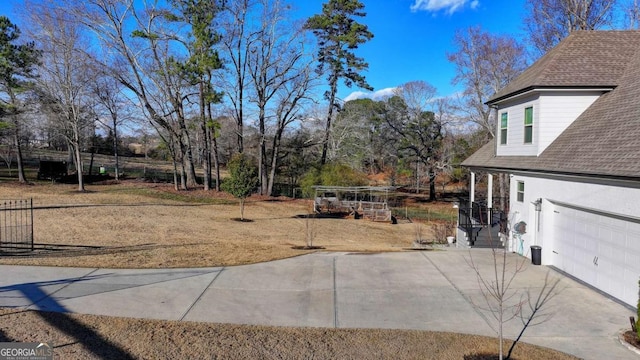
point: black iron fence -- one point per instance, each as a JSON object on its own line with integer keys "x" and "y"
{"x": 16, "y": 225}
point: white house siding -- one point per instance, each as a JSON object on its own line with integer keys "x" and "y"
{"x": 515, "y": 139}
{"x": 593, "y": 221}
{"x": 557, "y": 110}
{"x": 553, "y": 112}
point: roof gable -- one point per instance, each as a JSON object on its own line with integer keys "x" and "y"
{"x": 583, "y": 59}
{"x": 605, "y": 139}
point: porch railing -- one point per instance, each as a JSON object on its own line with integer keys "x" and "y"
{"x": 477, "y": 215}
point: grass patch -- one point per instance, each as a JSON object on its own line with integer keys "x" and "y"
{"x": 436, "y": 213}
{"x": 165, "y": 194}
{"x": 77, "y": 336}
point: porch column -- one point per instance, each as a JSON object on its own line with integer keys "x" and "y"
{"x": 489, "y": 191}
{"x": 472, "y": 189}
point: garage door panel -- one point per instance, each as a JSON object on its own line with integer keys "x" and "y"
{"x": 633, "y": 241}
{"x": 601, "y": 250}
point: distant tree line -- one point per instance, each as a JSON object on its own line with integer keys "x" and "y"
{"x": 209, "y": 79}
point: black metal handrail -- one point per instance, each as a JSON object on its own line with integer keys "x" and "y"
{"x": 477, "y": 215}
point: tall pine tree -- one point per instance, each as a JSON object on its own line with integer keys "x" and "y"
{"x": 16, "y": 68}
{"x": 338, "y": 36}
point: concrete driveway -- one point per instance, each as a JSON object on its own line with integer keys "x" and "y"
{"x": 434, "y": 290}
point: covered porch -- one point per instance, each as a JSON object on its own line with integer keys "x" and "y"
{"x": 482, "y": 222}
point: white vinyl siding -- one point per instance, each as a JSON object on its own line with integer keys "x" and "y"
{"x": 556, "y": 111}
{"x": 553, "y": 112}
{"x": 515, "y": 144}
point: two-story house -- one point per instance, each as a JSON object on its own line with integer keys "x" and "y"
{"x": 568, "y": 135}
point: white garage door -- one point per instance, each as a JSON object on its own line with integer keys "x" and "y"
{"x": 599, "y": 249}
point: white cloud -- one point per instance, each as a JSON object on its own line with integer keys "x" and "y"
{"x": 376, "y": 95}
{"x": 449, "y": 6}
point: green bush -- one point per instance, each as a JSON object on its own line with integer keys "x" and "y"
{"x": 331, "y": 175}
{"x": 242, "y": 180}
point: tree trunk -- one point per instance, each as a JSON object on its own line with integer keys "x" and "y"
{"x": 262, "y": 156}
{"x": 21, "y": 176}
{"x": 432, "y": 185}
{"x": 115, "y": 146}
{"x": 274, "y": 162}
{"x": 188, "y": 165}
{"x": 213, "y": 136}
{"x": 242, "y": 209}
{"x": 327, "y": 130}
{"x": 78, "y": 160}
{"x": 175, "y": 175}
{"x": 18, "y": 143}
{"x": 205, "y": 140}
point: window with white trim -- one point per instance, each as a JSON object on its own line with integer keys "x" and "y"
{"x": 520, "y": 191}
{"x": 528, "y": 125}
{"x": 504, "y": 122}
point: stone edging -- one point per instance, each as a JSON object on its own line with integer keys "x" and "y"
{"x": 626, "y": 344}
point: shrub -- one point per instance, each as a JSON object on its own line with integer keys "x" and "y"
{"x": 331, "y": 175}
{"x": 243, "y": 179}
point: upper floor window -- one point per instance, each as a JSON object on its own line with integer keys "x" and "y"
{"x": 528, "y": 125}
{"x": 504, "y": 120}
{"x": 520, "y": 192}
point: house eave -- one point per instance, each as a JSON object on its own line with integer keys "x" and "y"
{"x": 603, "y": 179}
{"x": 494, "y": 102}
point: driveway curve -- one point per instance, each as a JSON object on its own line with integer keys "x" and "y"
{"x": 435, "y": 290}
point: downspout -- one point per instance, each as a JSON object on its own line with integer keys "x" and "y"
{"x": 538, "y": 209}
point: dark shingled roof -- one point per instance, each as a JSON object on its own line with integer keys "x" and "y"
{"x": 584, "y": 59}
{"x": 605, "y": 139}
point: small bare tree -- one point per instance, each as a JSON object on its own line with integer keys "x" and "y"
{"x": 310, "y": 227}
{"x": 504, "y": 302}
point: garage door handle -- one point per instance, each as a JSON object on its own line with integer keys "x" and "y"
{"x": 555, "y": 252}
{"x": 595, "y": 260}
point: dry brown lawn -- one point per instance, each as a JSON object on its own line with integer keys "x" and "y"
{"x": 77, "y": 336}
{"x": 136, "y": 225}
{"x": 152, "y": 226}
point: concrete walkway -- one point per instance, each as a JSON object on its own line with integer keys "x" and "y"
{"x": 410, "y": 290}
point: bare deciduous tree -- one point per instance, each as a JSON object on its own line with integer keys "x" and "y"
{"x": 237, "y": 40}
{"x": 65, "y": 76}
{"x": 549, "y": 21}
{"x": 141, "y": 52}
{"x": 632, "y": 14}
{"x": 420, "y": 131}
{"x": 109, "y": 98}
{"x": 275, "y": 58}
{"x": 485, "y": 63}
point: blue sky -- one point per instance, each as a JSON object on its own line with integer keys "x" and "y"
{"x": 411, "y": 37}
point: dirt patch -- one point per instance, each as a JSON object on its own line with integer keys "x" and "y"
{"x": 631, "y": 338}
{"x": 77, "y": 336}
